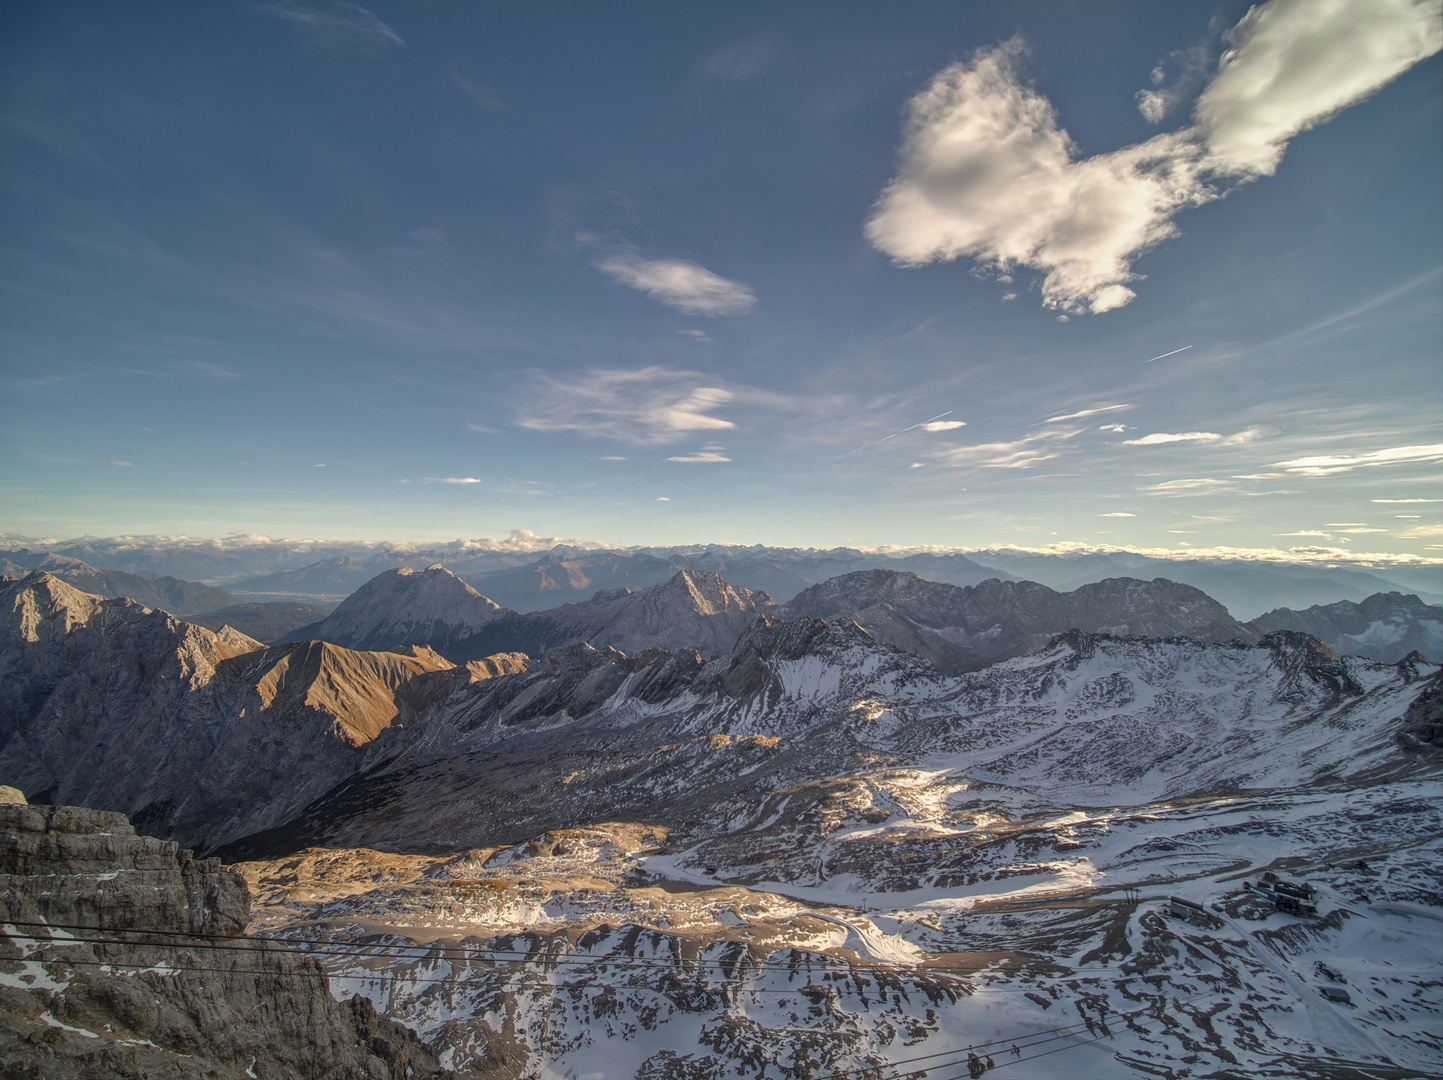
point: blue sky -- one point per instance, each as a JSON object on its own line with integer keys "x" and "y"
{"x": 802, "y": 274}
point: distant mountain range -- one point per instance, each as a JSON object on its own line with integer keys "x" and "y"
{"x": 964, "y": 629}
{"x": 957, "y": 628}
{"x": 172, "y": 594}
{"x": 519, "y": 575}
{"x": 1385, "y": 626}
{"x": 693, "y": 609}
{"x": 101, "y": 703}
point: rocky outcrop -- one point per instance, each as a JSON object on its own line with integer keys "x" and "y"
{"x": 120, "y": 956}
{"x": 964, "y": 629}
{"x": 197, "y": 735}
{"x": 1385, "y": 626}
{"x": 403, "y": 607}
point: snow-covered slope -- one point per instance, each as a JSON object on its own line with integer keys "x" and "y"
{"x": 658, "y": 866}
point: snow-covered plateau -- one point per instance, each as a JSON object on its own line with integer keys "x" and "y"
{"x": 817, "y": 857}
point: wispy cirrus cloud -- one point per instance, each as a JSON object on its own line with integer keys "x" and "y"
{"x": 1083, "y": 413}
{"x": 1330, "y": 464}
{"x": 1159, "y": 438}
{"x": 711, "y": 455}
{"x": 338, "y": 25}
{"x": 1023, "y": 453}
{"x": 645, "y": 406}
{"x": 686, "y": 286}
{"x": 987, "y": 173}
{"x": 479, "y": 93}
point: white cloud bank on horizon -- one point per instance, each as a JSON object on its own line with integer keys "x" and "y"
{"x": 691, "y": 289}
{"x": 987, "y": 173}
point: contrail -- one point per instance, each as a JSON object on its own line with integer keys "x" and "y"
{"x": 1165, "y": 355}
{"x": 894, "y": 434}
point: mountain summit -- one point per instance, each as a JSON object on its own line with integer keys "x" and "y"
{"x": 404, "y": 607}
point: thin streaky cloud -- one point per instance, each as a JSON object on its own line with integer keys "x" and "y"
{"x": 701, "y": 457}
{"x": 1165, "y": 355}
{"x": 1161, "y": 437}
{"x": 117, "y": 464}
{"x": 1330, "y": 464}
{"x": 1405, "y": 500}
{"x": 340, "y": 26}
{"x": 1084, "y": 413}
{"x": 925, "y": 425}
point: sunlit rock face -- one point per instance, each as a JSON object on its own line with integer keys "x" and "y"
{"x": 199, "y": 735}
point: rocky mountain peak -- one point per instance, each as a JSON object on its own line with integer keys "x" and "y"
{"x": 402, "y": 607}
{"x": 1302, "y": 657}
{"x": 710, "y": 595}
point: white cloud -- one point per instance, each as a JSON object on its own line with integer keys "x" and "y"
{"x": 1294, "y": 63}
{"x": 699, "y": 335}
{"x": 1085, "y": 412}
{"x": 916, "y": 465}
{"x": 683, "y": 285}
{"x": 1192, "y": 486}
{"x": 1328, "y": 464}
{"x": 1307, "y": 532}
{"x": 1406, "y": 500}
{"x": 645, "y": 407}
{"x": 483, "y": 429}
{"x": 987, "y": 173}
{"x": 1118, "y": 428}
{"x": 452, "y": 480}
{"x": 1021, "y": 453}
{"x": 943, "y": 425}
{"x": 339, "y": 26}
{"x": 662, "y": 498}
{"x": 701, "y": 457}
{"x": 1158, "y": 438}
{"x": 1161, "y": 437}
{"x": 1118, "y": 513}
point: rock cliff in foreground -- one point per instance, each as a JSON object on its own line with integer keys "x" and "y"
{"x": 171, "y": 1001}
